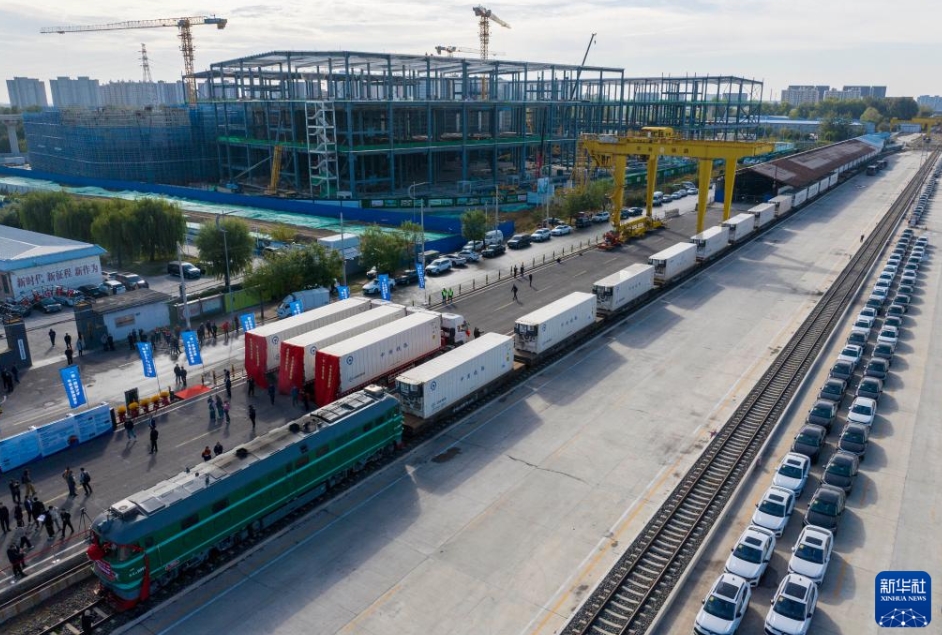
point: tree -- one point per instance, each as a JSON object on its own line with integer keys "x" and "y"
{"x": 834, "y": 129}
{"x": 9, "y": 217}
{"x": 903, "y": 108}
{"x": 75, "y": 218}
{"x": 161, "y": 226}
{"x": 871, "y": 115}
{"x": 294, "y": 269}
{"x": 114, "y": 229}
{"x": 35, "y": 210}
{"x": 215, "y": 239}
{"x": 474, "y": 224}
{"x": 282, "y": 234}
{"x": 385, "y": 250}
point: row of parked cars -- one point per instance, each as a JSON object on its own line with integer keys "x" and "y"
{"x": 796, "y": 597}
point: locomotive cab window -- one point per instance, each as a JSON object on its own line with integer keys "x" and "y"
{"x": 220, "y": 505}
{"x": 189, "y": 521}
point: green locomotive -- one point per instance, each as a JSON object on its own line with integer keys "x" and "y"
{"x": 144, "y": 541}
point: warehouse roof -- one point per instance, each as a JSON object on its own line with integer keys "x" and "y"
{"x": 20, "y": 248}
{"x": 138, "y": 297}
{"x": 803, "y": 169}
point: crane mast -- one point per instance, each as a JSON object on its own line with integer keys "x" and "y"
{"x": 182, "y": 24}
{"x": 485, "y": 16}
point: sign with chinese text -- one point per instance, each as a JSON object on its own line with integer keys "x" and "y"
{"x": 147, "y": 358}
{"x": 72, "y": 382}
{"x": 902, "y": 599}
{"x": 248, "y": 321}
{"x": 191, "y": 347}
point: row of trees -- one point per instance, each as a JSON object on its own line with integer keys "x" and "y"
{"x": 876, "y": 111}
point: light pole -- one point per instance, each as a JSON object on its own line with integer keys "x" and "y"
{"x": 421, "y": 214}
{"x": 225, "y": 247}
{"x": 186, "y": 306}
{"x": 343, "y": 247}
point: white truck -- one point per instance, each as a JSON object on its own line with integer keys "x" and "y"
{"x": 617, "y": 290}
{"x": 296, "y": 366}
{"x": 308, "y": 298}
{"x": 263, "y": 343}
{"x": 672, "y": 262}
{"x": 550, "y": 326}
{"x": 440, "y": 383}
{"x": 710, "y": 241}
{"x": 740, "y": 226}
{"x": 764, "y": 214}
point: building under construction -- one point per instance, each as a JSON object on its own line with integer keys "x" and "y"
{"x": 343, "y": 124}
{"x": 340, "y": 124}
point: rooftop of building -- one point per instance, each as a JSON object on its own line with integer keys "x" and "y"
{"x": 807, "y": 167}
{"x": 19, "y": 248}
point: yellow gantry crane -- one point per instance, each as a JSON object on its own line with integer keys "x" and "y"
{"x": 485, "y": 16}
{"x": 182, "y": 24}
{"x": 612, "y": 152}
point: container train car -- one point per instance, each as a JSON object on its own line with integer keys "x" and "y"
{"x": 672, "y": 262}
{"x": 147, "y": 539}
{"x": 741, "y": 226}
{"x": 543, "y": 330}
{"x": 763, "y": 213}
{"x": 263, "y": 344}
{"x": 710, "y": 242}
{"x": 616, "y": 291}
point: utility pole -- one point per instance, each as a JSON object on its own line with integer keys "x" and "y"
{"x": 421, "y": 213}
{"x": 186, "y": 307}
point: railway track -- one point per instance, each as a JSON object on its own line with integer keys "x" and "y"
{"x": 99, "y": 614}
{"x": 629, "y": 597}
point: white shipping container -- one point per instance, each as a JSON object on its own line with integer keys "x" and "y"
{"x": 764, "y": 214}
{"x": 263, "y": 343}
{"x": 832, "y": 180}
{"x": 296, "y": 366}
{"x": 673, "y": 261}
{"x": 800, "y": 197}
{"x": 710, "y": 241}
{"x": 537, "y": 332}
{"x": 615, "y": 291}
{"x": 440, "y": 383}
{"x": 783, "y": 204}
{"x": 740, "y": 226}
{"x": 813, "y": 190}
{"x": 357, "y": 361}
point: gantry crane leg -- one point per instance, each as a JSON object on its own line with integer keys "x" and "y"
{"x": 729, "y": 181}
{"x": 704, "y": 174}
{"x": 652, "y": 183}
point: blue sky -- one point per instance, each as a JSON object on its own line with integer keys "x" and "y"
{"x": 833, "y": 42}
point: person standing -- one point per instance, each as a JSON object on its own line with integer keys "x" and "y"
{"x": 68, "y": 356}
{"x": 295, "y": 393}
{"x": 80, "y": 344}
{"x": 27, "y": 482}
{"x": 66, "y": 522}
{"x": 212, "y": 411}
{"x": 514, "y": 289}
{"x": 68, "y": 340}
{"x": 225, "y": 411}
{"x": 4, "y": 517}
{"x": 521, "y": 271}
{"x": 52, "y": 337}
{"x": 183, "y": 375}
{"x": 85, "y": 480}
{"x": 219, "y": 410}
{"x": 18, "y": 514}
{"x": 252, "y": 416}
{"x": 48, "y": 524}
{"x": 16, "y": 560}
{"x": 515, "y": 271}
{"x": 153, "y": 439}
{"x": 15, "y": 491}
{"x": 250, "y": 384}
{"x": 28, "y": 506}
{"x": 271, "y": 392}
{"x": 129, "y": 426}
{"x": 217, "y": 449}
{"x": 228, "y": 384}
{"x": 69, "y": 479}
{"x": 530, "y": 276}
{"x": 207, "y": 453}
{"x": 56, "y": 517}
{"x": 176, "y": 375}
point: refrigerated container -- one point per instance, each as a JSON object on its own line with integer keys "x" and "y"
{"x": 764, "y": 214}
{"x": 296, "y": 367}
{"x": 800, "y": 197}
{"x": 263, "y": 343}
{"x": 439, "y": 384}
{"x": 359, "y": 360}
{"x": 740, "y": 227}
{"x": 617, "y": 290}
{"x": 710, "y": 241}
{"x": 783, "y": 204}
{"x": 550, "y": 326}
{"x": 673, "y": 261}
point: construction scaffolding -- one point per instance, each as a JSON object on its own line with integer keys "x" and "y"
{"x": 152, "y": 145}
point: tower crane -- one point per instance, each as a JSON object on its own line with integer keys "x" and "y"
{"x": 182, "y": 24}
{"x": 485, "y": 16}
{"x": 451, "y": 50}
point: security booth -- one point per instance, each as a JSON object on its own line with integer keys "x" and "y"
{"x": 118, "y": 315}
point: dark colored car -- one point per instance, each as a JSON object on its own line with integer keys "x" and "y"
{"x": 854, "y": 439}
{"x": 884, "y": 351}
{"x": 407, "y": 277}
{"x": 635, "y": 211}
{"x": 857, "y": 337}
{"x": 870, "y": 387}
{"x": 47, "y": 305}
{"x": 492, "y": 251}
{"x": 826, "y": 508}
{"x": 842, "y": 370}
{"x": 833, "y": 390}
{"x": 583, "y": 222}
{"x": 131, "y": 280}
{"x": 841, "y": 471}
{"x": 810, "y": 441}
{"x": 519, "y": 241}
{"x": 822, "y": 413}
{"x": 14, "y": 308}
{"x": 877, "y": 367}
{"x": 93, "y": 291}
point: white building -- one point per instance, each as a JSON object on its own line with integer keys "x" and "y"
{"x": 34, "y": 263}
{"x": 81, "y": 91}
{"x": 26, "y": 92}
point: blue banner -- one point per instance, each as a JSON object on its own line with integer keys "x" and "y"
{"x": 248, "y": 321}
{"x": 147, "y": 359}
{"x": 191, "y": 346}
{"x": 295, "y": 308}
{"x": 420, "y": 269}
{"x": 384, "y": 288}
{"x": 72, "y": 382}
{"x": 343, "y": 291}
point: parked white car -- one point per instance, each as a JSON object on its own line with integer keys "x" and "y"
{"x": 724, "y": 606}
{"x": 792, "y": 473}
{"x": 751, "y": 555}
{"x": 862, "y": 410}
{"x": 793, "y": 606}
{"x": 438, "y": 266}
{"x": 811, "y": 555}
{"x": 774, "y": 509}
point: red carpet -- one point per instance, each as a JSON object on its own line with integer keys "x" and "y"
{"x": 195, "y": 391}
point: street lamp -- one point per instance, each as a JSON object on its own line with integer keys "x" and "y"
{"x": 225, "y": 247}
{"x": 421, "y": 213}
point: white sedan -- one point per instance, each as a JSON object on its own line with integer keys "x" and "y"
{"x": 561, "y": 230}
{"x": 774, "y": 509}
{"x": 851, "y": 353}
{"x": 862, "y": 410}
{"x": 724, "y": 606}
{"x": 792, "y": 473}
{"x": 888, "y": 335}
{"x": 812, "y": 553}
{"x": 751, "y": 555}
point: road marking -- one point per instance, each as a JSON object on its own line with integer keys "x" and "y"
{"x": 188, "y": 441}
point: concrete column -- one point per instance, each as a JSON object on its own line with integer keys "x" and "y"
{"x": 14, "y": 142}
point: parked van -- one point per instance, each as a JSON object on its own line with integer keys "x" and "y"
{"x": 494, "y": 237}
{"x": 189, "y": 270}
